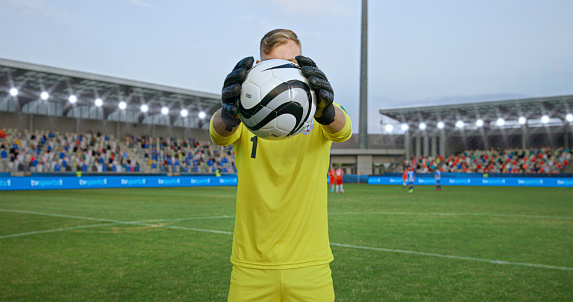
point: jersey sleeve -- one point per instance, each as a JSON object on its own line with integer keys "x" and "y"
{"x": 343, "y": 134}
{"x": 223, "y": 140}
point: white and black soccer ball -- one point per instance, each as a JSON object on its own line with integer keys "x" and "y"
{"x": 276, "y": 101}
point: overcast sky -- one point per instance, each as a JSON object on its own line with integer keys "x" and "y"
{"x": 424, "y": 52}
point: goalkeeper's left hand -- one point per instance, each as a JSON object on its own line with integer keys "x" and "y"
{"x": 319, "y": 83}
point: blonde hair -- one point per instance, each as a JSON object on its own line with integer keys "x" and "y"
{"x": 277, "y": 37}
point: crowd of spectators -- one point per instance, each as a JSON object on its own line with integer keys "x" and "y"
{"x": 176, "y": 155}
{"x": 513, "y": 161}
{"x": 48, "y": 151}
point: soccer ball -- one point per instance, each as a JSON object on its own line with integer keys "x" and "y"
{"x": 276, "y": 101}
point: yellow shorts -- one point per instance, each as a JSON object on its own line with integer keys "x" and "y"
{"x": 313, "y": 284}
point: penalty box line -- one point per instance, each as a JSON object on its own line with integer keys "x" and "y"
{"x": 454, "y": 214}
{"x": 58, "y": 230}
{"x": 114, "y": 222}
{"x": 454, "y": 257}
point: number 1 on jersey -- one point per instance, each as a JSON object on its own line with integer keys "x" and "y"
{"x": 254, "y": 152}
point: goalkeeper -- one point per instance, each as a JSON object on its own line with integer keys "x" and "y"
{"x": 281, "y": 250}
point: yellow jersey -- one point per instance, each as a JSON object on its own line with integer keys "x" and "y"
{"x": 281, "y": 217}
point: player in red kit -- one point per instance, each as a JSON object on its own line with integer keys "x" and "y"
{"x": 332, "y": 176}
{"x": 339, "y": 186}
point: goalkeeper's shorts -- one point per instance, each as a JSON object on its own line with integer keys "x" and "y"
{"x": 313, "y": 283}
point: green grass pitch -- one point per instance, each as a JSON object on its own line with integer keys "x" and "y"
{"x": 460, "y": 244}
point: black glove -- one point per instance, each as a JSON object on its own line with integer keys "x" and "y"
{"x": 232, "y": 91}
{"x": 324, "y": 93}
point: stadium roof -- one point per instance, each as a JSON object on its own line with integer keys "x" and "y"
{"x": 556, "y": 107}
{"x": 32, "y": 79}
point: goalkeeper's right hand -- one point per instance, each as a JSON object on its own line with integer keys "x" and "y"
{"x": 232, "y": 91}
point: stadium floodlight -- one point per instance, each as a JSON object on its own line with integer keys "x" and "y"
{"x": 405, "y": 127}
{"x": 122, "y": 105}
{"x": 500, "y": 122}
{"x": 202, "y": 115}
{"x": 73, "y": 99}
{"x": 164, "y": 110}
{"x": 479, "y": 123}
{"x": 388, "y": 128}
{"x": 422, "y": 126}
{"x": 44, "y": 95}
{"x": 144, "y": 108}
{"x": 441, "y": 125}
{"x": 13, "y": 92}
{"x": 545, "y": 119}
{"x": 98, "y": 102}
{"x": 184, "y": 112}
{"x": 569, "y": 117}
{"x": 522, "y": 120}
{"x": 459, "y": 124}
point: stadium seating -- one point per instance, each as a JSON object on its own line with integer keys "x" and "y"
{"x": 513, "y": 161}
{"x": 46, "y": 151}
{"x": 175, "y": 155}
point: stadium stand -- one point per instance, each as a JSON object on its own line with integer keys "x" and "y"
{"x": 175, "y": 155}
{"x": 510, "y": 161}
{"x": 531, "y": 135}
{"x": 48, "y": 151}
{"x": 152, "y": 128}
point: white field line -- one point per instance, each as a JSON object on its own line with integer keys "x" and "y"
{"x": 453, "y": 257}
{"x": 111, "y": 221}
{"x": 453, "y": 214}
{"x": 58, "y": 230}
{"x": 186, "y": 218}
{"x": 231, "y": 233}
